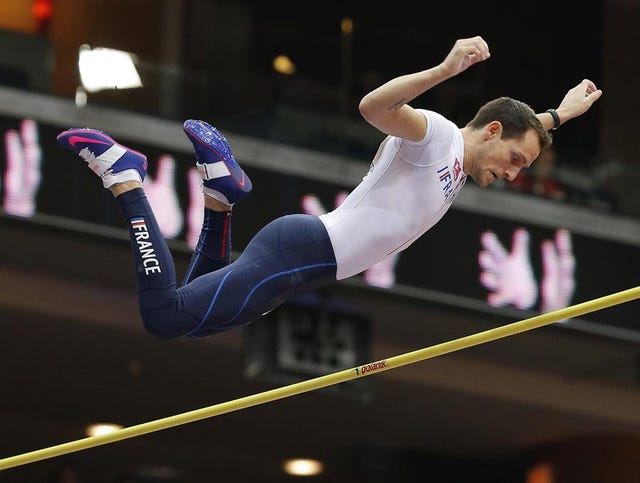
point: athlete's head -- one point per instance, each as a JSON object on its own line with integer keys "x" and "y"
{"x": 504, "y": 136}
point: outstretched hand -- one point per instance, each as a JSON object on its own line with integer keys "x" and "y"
{"x": 578, "y": 100}
{"x": 464, "y": 54}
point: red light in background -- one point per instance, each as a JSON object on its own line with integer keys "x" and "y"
{"x": 541, "y": 473}
{"x": 42, "y": 11}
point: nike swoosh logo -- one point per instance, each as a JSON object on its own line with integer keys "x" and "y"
{"x": 73, "y": 140}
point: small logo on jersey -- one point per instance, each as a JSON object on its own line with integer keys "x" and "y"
{"x": 150, "y": 262}
{"x": 456, "y": 170}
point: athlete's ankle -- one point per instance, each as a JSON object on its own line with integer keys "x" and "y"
{"x": 215, "y": 205}
{"x": 118, "y": 189}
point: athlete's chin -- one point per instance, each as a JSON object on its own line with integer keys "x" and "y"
{"x": 483, "y": 181}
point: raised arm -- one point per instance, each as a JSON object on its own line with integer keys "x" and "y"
{"x": 386, "y": 107}
{"x": 576, "y": 102}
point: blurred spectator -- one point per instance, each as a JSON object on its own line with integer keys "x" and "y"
{"x": 540, "y": 178}
{"x": 65, "y": 473}
{"x": 619, "y": 180}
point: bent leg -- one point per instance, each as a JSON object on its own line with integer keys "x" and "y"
{"x": 154, "y": 268}
{"x": 288, "y": 256}
{"x": 224, "y": 183}
{"x": 122, "y": 170}
{"x": 213, "y": 250}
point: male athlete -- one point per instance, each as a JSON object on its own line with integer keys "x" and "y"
{"x": 415, "y": 176}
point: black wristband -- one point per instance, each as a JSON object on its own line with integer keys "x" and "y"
{"x": 556, "y": 118}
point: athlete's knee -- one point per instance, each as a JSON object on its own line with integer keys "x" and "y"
{"x": 164, "y": 324}
{"x": 159, "y": 314}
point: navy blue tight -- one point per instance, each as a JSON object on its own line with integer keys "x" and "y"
{"x": 287, "y": 257}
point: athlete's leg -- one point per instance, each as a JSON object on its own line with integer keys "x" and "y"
{"x": 213, "y": 250}
{"x": 289, "y": 255}
{"x": 122, "y": 170}
{"x": 224, "y": 183}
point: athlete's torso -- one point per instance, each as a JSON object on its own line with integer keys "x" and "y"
{"x": 408, "y": 189}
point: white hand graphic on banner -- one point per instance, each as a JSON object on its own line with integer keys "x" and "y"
{"x": 163, "y": 197}
{"x": 508, "y": 275}
{"x": 22, "y": 176}
{"x": 558, "y": 267}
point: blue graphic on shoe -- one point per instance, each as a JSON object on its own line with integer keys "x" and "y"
{"x": 222, "y": 177}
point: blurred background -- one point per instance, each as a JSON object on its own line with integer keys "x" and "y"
{"x": 282, "y": 80}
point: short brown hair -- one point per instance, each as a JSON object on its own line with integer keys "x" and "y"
{"x": 516, "y": 118}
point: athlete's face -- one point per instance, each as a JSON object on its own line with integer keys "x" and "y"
{"x": 499, "y": 158}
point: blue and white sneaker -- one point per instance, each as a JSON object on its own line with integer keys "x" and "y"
{"x": 111, "y": 161}
{"x": 222, "y": 177}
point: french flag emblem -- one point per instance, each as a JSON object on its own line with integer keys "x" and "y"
{"x": 138, "y": 223}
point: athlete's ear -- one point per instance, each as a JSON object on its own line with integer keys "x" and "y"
{"x": 492, "y": 130}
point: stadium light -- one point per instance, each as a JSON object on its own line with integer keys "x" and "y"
{"x": 102, "y": 68}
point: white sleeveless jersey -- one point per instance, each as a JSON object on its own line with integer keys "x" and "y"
{"x": 408, "y": 189}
